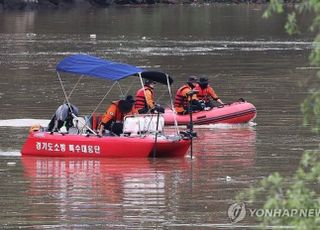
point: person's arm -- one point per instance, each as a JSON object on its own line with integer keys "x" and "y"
{"x": 213, "y": 94}
{"x": 219, "y": 100}
{"x": 108, "y": 116}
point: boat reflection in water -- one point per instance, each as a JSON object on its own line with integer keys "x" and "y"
{"x": 225, "y": 141}
{"x": 139, "y": 191}
{"x": 97, "y": 176}
{"x": 113, "y": 190}
{"x": 224, "y": 150}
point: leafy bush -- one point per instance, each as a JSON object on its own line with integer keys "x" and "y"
{"x": 304, "y": 187}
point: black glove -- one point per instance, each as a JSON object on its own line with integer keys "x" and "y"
{"x": 159, "y": 109}
{"x": 197, "y": 105}
{"x": 202, "y": 104}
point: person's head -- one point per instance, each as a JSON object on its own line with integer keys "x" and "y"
{"x": 125, "y": 106}
{"x": 203, "y": 82}
{"x": 192, "y": 81}
{"x": 149, "y": 83}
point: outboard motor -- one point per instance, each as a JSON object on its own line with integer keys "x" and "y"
{"x": 63, "y": 117}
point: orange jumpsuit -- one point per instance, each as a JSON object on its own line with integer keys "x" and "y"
{"x": 113, "y": 113}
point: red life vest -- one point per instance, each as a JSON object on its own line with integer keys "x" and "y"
{"x": 180, "y": 99}
{"x": 203, "y": 93}
{"x": 206, "y": 94}
{"x": 140, "y": 98}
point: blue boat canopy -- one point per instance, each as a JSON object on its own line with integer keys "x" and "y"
{"x": 96, "y": 67}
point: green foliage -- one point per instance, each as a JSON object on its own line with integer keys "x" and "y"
{"x": 311, "y": 105}
{"x": 311, "y": 110}
{"x": 300, "y": 194}
{"x": 303, "y": 189}
{"x": 315, "y": 54}
{"x": 275, "y": 6}
{"x": 291, "y": 25}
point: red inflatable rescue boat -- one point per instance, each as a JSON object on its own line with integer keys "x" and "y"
{"x": 42, "y": 143}
{"x": 143, "y": 135}
{"x": 237, "y": 112}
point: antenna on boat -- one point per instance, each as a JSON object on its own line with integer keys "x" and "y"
{"x": 191, "y": 133}
{"x": 158, "y": 118}
{"x": 156, "y": 136}
{"x": 191, "y": 127}
{"x": 154, "y": 151}
{"x": 172, "y": 106}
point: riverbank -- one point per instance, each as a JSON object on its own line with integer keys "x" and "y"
{"x": 62, "y": 4}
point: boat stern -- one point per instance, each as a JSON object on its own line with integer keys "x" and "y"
{"x": 167, "y": 148}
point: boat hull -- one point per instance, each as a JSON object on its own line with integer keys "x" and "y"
{"x": 171, "y": 149}
{"x": 237, "y": 112}
{"x": 70, "y": 145}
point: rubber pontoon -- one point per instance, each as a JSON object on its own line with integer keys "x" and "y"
{"x": 236, "y": 112}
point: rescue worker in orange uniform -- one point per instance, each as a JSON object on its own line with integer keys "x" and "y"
{"x": 112, "y": 120}
{"x": 186, "y": 97}
{"x": 206, "y": 93}
{"x": 145, "y": 99}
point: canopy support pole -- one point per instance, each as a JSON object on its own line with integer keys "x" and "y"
{"x": 104, "y": 97}
{"x": 172, "y": 106}
{"x": 121, "y": 91}
{"x": 64, "y": 91}
{"x": 69, "y": 105}
{"x": 74, "y": 87}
